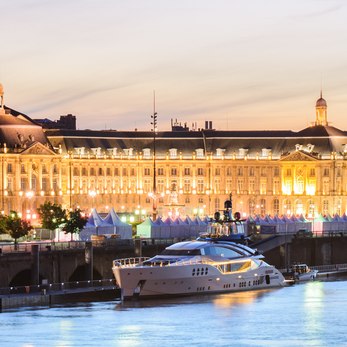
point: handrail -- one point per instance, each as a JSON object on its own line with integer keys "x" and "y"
{"x": 132, "y": 262}
{"x": 56, "y": 288}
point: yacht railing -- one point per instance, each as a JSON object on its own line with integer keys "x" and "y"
{"x": 132, "y": 262}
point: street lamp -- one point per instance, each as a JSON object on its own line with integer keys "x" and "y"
{"x": 154, "y": 129}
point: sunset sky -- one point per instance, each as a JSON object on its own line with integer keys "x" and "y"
{"x": 244, "y": 64}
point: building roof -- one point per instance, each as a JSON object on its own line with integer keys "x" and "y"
{"x": 317, "y": 140}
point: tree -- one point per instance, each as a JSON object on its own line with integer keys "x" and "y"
{"x": 52, "y": 215}
{"x": 75, "y": 222}
{"x": 3, "y": 229}
{"x": 16, "y": 227}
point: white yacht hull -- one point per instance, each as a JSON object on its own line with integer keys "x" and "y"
{"x": 307, "y": 276}
{"x": 154, "y": 281}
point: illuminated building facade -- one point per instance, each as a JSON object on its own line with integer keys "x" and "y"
{"x": 267, "y": 172}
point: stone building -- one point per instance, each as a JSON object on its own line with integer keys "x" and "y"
{"x": 267, "y": 172}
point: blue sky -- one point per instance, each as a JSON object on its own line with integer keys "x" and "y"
{"x": 244, "y": 64}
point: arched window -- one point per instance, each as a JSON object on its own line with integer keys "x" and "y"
{"x": 325, "y": 207}
{"x": 287, "y": 207}
{"x": 251, "y": 207}
{"x": 263, "y": 207}
{"x": 276, "y": 206}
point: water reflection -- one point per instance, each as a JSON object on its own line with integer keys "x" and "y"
{"x": 227, "y": 300}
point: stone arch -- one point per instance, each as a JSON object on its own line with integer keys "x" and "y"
{"x": 82, "y": 273}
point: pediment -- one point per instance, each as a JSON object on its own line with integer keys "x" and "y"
{"x": 298, "y": 156}
{"x": 38, "y": 148}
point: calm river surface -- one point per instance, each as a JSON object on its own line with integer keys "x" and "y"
{"x": 309, "y": 314}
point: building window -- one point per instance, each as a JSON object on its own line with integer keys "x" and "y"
{"x": 312, "y": 172}
{"x": 44, "y": 184}
{"x": 187, "y": 186}
{"x": 217, "y": 171}
{"x": 217, "y": 204}
{"x": 276, "y": 207}
{"x": 124, "y": 171}
{"x": 201, "y": 200}
{"x": 217, "y": 186}
{"x": 173, "y": 153}
{"x": 263, "y": 172}
{"x": 200, "y": 187}
{"x": 287, "y": 207}
{"x": 55, "y": 169}
{"x": 108, "y": 171}
{"x": 276, "y": 186}
{"x": 199, "y": 153}
{"x": 229, "y": 171}
{"x": 251, "y": 186}
{"x": 187, "y": 200}
{"x": 325, "y": 207}
{"x": 326, "y": 187}
{"x": 160, "y": 186}
{"x": 251, "y": 171}
{"x": 33, "y": 183}
{"x": 147, "y": 186}
{"x": 239, "y": 186}
{"x": 132, "y": 171}
{"x": 147, "y": 171}
{"x": 276, "y": 171}
{"x": 239, "y": 171}
{"x": 251, "y": 207}
{"x": 160, "y": 171}
{"x": 101, "y": 171}
{"x": 263, "y": 187}
{"x": 187, "y": 171}
{"x": 229, "y": 186}
{"x": 200, "y": 171}
{"x": 173, "y": 171}
{"x": 116, "y": 171}
{"x": 326, "y": 172}
{"x": 92, "y": 171}
{"x": 146, "y": 153}
{"x": 300, "y": 186}
{"x": 9, "y": 168}
{"x": 262, "y": 207}
{"x": 22, "y": 169}
{"x": 289, "y": 172}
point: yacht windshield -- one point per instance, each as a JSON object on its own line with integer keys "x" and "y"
{"x": 181, "y": 252}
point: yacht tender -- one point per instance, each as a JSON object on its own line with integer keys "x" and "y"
{"x": 196, "y": 267}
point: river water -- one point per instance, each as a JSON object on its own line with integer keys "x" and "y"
{"x": 308, "y": 314}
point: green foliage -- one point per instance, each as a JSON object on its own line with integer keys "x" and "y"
{"x": 52, "y": 215}
{"x": 75, "y": 222}
{"x": 15, "y": 226}
{"x": 3, "y": 229}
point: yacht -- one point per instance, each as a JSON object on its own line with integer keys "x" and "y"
{"x": 202, "y": 266}
{"x": 301, "y": 272}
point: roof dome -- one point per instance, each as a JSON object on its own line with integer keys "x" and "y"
{"x": 321, "y": 102}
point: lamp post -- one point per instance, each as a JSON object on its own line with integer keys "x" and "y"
{"x": 70, "y": 179}
{"x": 313, "y": 215}
{"x": 154, "y": 129}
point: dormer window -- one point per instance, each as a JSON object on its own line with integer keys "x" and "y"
{"x": 146, "y": 152}
{"x": 200, "y": 153}
{"x": 128, "y": 152}
{"x": 112, "y": 151}
{"x": 243, "y": 152}
{"x": 79, "y": 150}
{"x": 96, "y": 151}
{"x": 173, "y": 153}
{"x": 220, "y": 152}
{"x": 265, "y": 152}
